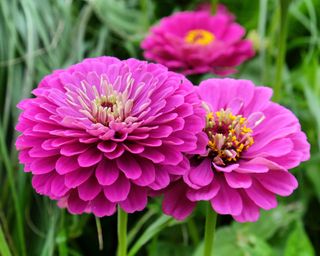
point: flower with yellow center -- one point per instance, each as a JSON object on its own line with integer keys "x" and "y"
{"x": 199, "y": 37}
{"x": 228, "y": 136}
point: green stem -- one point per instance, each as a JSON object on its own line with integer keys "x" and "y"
{"x": 284, "y": 6}
{"x": 214, "y": 4}
{"x": 211, "y": 219}
{"x": 122, "y": 232}
{"x": 192, "y": 228}
{"x": 99, "y": 232}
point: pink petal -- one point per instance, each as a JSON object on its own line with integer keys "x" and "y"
{"x": 162, "y": 179}
{"x": 256, "y": 165}
{"x": 37, "y": 151}
{"x": 172, "y": 156}
{"x": 118, "y": 191}
{"x": 235, "y": 105}
{"x": 227, "y": 200}
{"x": 153, "y": 154}
{"x": 89, "y": 189}
{"x": 275, "y": 148}
{"x": 136, "y": 200}
{"x": 57, "y": 186}
{"x": 115, "y": 153}
{"x": 66, "y": 164}
{"x": 204, "y": 193}
{"x": 226, "y": 169}
{"x": 129, "y": 166}
{"x": 77, "y": 177}
{"x": 201, "y": 175}
{"x": 175, "y": 202}
{"x": 89, "y": 158}
{"x": 261, "y": 197}
{"x": 279, "y": 182}
{"x": 101, "y": 206}
{"x": 43, "y": 165}
{"x": 107, "y": 172}
{"x": 133, "y": 148}
{"x": 250, "y": 211}
{"x": 238, "y": 180}
{"x": 148, "y": 173}
{"x": 107, "y": 146}
{"x": 75, "y": 204}
{"x": 73, "y": 149}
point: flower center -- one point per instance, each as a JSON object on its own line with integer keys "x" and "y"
{"x": 228, "y": 136}
{"x": 106, "y": 105}
{"x": 199, "y": 36}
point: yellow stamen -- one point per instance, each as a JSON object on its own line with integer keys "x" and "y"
{"x": 199, "y": 36}
{"x": 228, "y": 135}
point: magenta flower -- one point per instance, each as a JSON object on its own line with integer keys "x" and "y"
{"x": 197, "y": 42}
{"x": 104, "y": 131}
{"x": 251, "y": 144}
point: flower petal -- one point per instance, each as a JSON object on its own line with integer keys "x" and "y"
{"x": 201, "y": 175}
{"x": 136, "y": 200}
{"x": 227, "y": 200}
{"x": 261, "y": 197}
{"x": 176, "y": 204}
{"x": 89, "y": 189}
{"x": 101, "y": 206}
{"x": 107, "y": 172}
{"x": 89, "y": 158}
{"x": 129, "y": 166}
{"x": 279, "y": 182}
{"x": 118, "y": 191}
{"x": 204, "y": 193}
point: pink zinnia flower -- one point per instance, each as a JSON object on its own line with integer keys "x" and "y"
{"x": 104, "y": 131}
{"x": 251, "y": 144}
{"x": 197, "y": 42}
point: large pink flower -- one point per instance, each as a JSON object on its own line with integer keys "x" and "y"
{"x": 251, "y": 144}
{"x": 197, "y": 42}
{"x": 104, "y": 131}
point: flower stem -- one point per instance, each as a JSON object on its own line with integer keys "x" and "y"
{"x": 284, "y": 6}
{"x": 214, "y": 4}
{"x": 99, "y": 231}
{"x": 122, "y": 232}
{"x": 211, "y": 219}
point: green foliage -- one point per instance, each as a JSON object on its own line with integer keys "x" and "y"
{"x": 38, "y": 36}
{"x": 298, "y": 243}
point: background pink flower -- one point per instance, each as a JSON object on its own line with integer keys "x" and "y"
{"x": 104, "y": 131}
{"x": 197, "y": 42}
{"x": 252, "y": 142}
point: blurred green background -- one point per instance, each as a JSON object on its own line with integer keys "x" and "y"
{"x": 38, "y": 36}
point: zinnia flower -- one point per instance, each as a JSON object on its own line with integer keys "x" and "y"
{"x": 251, "y": 144}
{"x": 104, "y": 131}
{"x": 197, "y": 42}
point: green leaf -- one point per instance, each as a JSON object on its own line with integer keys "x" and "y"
{"x": 298, "y": 243}
{"x": 255, "y": 246}
{"x": 271, "y": 221}
{"x": 161, "y": 223}
{"x": 4, "y": 248}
